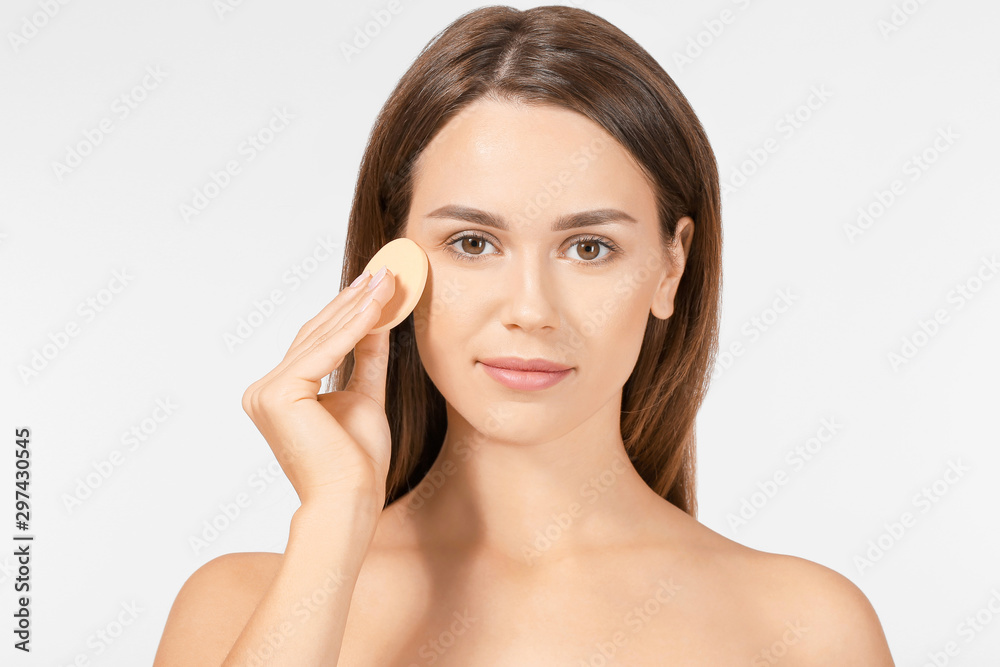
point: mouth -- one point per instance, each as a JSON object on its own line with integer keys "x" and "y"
{"x": 525, "y": 374}
{"x": 528, "y": 365}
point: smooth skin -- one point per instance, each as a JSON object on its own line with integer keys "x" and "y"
{"x": 532, "y": 541}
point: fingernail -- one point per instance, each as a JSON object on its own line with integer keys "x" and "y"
{"x": 376, "y": 278}
{"x": 359, "y": 279}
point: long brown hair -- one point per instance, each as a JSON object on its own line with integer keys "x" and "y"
{"x": 572, "y": 58}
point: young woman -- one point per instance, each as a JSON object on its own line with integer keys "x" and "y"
{"x": 507, "y": 477}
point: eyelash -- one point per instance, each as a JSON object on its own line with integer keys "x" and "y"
{"x": 577, "y": 240}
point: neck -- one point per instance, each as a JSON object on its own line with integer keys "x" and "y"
{"x": 495, "y": 491}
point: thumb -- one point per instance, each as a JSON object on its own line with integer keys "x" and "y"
{"x": 371, "y": 360}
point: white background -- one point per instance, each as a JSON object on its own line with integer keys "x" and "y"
{"x": 64, "y": 234}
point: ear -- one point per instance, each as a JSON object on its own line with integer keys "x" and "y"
{"x": 663, "y": 300}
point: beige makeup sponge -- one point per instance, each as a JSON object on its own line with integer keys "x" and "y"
{"x": 408, "y": 264}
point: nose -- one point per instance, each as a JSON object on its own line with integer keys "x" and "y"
{"x": 530, "y": 295}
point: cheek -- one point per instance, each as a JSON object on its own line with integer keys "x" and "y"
{"x": 445, "y": 320}
{"x": 611, "y": 326}
{"x": 604, "y": 313}
{"x": 446, "y": 306}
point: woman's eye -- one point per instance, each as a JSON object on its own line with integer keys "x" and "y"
{"x": 587, "y": 251}
{"x": 471, "y": 246}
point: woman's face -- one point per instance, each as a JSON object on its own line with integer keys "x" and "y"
{"x": 535, "y": 285}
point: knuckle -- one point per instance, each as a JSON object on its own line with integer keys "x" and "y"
{"x": 248, "y": 399}
{"x": 270, "y": 396}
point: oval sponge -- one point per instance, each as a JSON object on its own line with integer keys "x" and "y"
{"x": 408, "y": 264}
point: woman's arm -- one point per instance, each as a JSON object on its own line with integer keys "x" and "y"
{"x": 251, "y": 609}
{"x": 335, "y": 449}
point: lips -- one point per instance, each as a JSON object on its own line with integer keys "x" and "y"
{"x": 518, "y": 364}
{"x": 525, "y": 374}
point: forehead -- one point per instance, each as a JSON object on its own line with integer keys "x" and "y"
{"x": 513, "y": 158}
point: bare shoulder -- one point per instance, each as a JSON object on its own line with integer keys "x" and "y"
{"x": 832, "y": 616}
{"x": 213, "y": 606}
{"x": 803, "y": 610}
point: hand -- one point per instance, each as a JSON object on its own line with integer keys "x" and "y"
{"x": 339, "y": 442}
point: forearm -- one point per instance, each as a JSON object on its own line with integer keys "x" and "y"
{"x": 300, "y": 621}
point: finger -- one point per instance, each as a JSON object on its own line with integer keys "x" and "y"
{"x": 305, "y": 351}
{"x": 341, "y": 303}
{"x": 383, "y": 292}
{"x": 331, "y": 317}
{"x": 327, "y": 352}
{"x": 371, "y": 359}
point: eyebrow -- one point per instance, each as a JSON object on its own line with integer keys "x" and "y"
{"x": 563, "y": 222}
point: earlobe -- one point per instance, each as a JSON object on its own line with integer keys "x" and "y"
{"x": 662, "y": 309}
{"x": 663, "y": 300}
